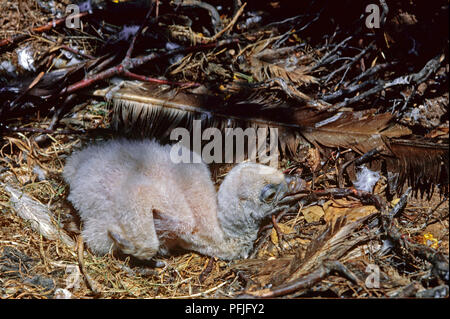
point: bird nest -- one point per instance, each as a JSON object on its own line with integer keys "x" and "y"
{"x": 340, "y": 243}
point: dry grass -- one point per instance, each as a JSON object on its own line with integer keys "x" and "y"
{"x": 114, "y": 278}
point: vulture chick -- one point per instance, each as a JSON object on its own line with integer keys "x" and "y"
{"x": 133, "y": 198}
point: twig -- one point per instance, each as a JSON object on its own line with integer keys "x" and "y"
{"x": 347, "y": 66}
{"x": 405, "y": 105}
{"x": 376, "y": 200}
{"x": 143, "y": 78}
{"x": 42, "y": 253}
{"x": 59, "y": 113}
{"x": 277, "y": 229}
{"x": 430, "y": 222}
{"x": 407, "y": 291}
{"x": 230, "y": 25}
{"x": 329, "y": 55}
{"x": 75, "y": 51}
{"x": 439, "y": 262}
{"x": 46, "y": 27}
{"x": 374, "y": 70}
{"x": 385, "y": 12}
{"x": 40, "y": 130}
{"x": 307, "y": 281}
{"x": 356, "y": 88}
{"x": 136, "y": 35}
{"x": 200, "y": 294}
{"x": 131, "y": 63}
{"x": 89, "y": 282}
{"x": 415, "y": 78}
{"x": 215, "y": 17}
{"x": 209, "y": 267}
{"x": 36, "y": 80}
{"x": 399, "y": 206}
{"x": 279, "y": 212}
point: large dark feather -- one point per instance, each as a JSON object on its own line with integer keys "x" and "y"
{"x": 149, "y": 111}
{"x": 419, "y": 162}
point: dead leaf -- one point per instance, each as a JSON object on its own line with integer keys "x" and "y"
{"x": 285, "y": 63}
{"x": 313, "y": 159}
{"x": 438, "y": 132}
{"x": 332, "y": 212}
{"x": 313, "y": 213}
{"x": 284, "y": 229}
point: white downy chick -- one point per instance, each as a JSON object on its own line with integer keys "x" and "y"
{"x": 133, "y": 198}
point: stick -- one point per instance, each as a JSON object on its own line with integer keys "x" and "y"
{"x": 143, "y": 78}
{"x": 46, "y": 27}
{"x": 131, "y": 63}
{"x": 136, "y": 35}
{"x": 89, "y": 282}
{"x": 209, "y": 267}
{"x": 440, "y": 264}
{"x": 308, "y": 281}
{"x": 415, "y": 78}
{"x": 230, "y": 25}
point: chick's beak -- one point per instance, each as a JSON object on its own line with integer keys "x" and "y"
{"x": 294, "y": 184}
{"x": 286, "y": 193}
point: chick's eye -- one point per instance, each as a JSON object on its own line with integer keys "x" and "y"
{"x": 268, "y": 193}
{"x": 292, "y": 185}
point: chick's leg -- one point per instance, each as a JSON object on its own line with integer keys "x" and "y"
{"x": 134, "y": 231}
{"x": 140, "y": 248}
